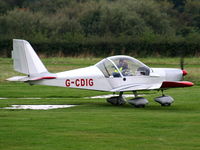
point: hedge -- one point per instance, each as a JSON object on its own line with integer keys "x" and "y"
{"x": 103, "y": 49}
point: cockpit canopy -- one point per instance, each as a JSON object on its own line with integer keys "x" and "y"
{"x": 120, "y": 66}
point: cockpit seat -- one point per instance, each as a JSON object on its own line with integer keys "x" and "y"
{"x": 143, "y": 71}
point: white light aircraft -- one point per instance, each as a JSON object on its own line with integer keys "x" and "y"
{"x": 114, "y": 74}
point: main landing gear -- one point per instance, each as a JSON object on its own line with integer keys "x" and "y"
{"x": 140, "y": 102}
{"x": 117, "y": 100}
{"x": 164, "y": 100}
{"x": 120, "y": 100}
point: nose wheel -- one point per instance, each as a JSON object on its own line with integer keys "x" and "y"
{"x": 164, "y": 100}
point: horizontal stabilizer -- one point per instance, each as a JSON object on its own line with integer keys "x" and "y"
{"x": 18, "y": 78}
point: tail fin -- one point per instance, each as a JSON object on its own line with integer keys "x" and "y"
{"x": 25, "y": 59}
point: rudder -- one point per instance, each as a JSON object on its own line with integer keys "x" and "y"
{"x": 25, "y": 59}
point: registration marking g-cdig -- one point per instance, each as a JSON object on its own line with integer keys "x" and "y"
{"x": 79, "y": 82}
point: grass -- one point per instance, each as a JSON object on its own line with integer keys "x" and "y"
{"x": 95, "y": 124}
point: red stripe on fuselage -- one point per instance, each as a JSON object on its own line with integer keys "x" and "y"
{"x": 41, "y": 78}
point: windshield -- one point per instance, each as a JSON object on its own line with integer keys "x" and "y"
{"x": 118, "y": 66}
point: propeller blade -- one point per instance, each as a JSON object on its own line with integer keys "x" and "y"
{"x": 182, "y": 63}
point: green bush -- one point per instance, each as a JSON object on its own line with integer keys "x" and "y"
{"x": 100, "y": 28}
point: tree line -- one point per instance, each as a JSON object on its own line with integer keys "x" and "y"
{"x": 102, "y": 27}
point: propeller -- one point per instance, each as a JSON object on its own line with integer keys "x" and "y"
{"x": 182, "y": 66}
{"x": 182, "y": 63}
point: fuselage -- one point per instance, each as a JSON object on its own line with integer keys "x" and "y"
{"x": 93, "y": 78}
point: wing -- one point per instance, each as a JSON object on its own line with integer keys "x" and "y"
{"x": 162, "y": 85}
{"x": 136, "y": 87}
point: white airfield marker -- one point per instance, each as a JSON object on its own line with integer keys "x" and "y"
{"x": 31, "y": 98}
{"x": 38, "y": 107}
